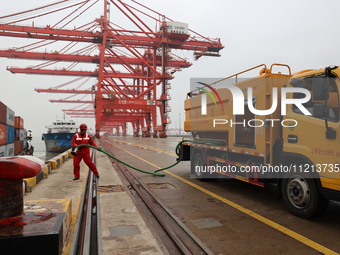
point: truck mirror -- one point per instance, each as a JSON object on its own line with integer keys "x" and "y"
{"x": 298, "y": 83}
{"x": 321, "y": 110}
{"x": 320, "y": 88}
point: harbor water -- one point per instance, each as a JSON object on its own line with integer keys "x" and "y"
{"x": 40, "y": 150}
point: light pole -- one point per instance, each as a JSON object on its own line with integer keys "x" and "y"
{"x": 175, "y": 128}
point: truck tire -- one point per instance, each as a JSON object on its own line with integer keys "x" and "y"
{"x": 301, "y": 195}
{"x": 198, "y": 160}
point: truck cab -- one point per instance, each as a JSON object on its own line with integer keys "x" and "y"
{"x": 312, "y": 147}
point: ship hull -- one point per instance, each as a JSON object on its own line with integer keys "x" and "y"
{"x": 57, "y": 142}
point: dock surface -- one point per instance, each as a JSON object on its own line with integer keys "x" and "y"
{"x": 225, "y": 216}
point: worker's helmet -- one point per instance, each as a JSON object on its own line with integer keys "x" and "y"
{"x": 82, "y": 126}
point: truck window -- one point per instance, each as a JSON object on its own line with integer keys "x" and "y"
{"x": 333, "y": 101}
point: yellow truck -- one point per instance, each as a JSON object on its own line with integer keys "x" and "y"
{"x": 275, "y": 128}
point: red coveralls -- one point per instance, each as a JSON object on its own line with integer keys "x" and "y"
{"x": 83, "y": 153}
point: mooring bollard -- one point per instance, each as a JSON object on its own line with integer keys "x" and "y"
{"x": 12, "y": 172}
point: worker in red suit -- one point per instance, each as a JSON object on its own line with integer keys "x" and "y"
{"x": 83, "y": 152}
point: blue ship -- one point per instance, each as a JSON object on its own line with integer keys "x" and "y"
{"x": 59, "y": 136}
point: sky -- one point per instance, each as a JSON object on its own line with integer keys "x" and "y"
{"x": 302, "y": 34}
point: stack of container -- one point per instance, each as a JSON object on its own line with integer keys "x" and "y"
{"x": 20, "y": 135}
{"x": 12, "y": 132}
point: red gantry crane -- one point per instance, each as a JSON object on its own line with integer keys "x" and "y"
{"x": 129, "y": 63}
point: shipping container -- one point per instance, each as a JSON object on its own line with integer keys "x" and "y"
{"x": 18, "y": 122}
{"x": 9, "y": 150}
{"x": 3, "y": 113}
{"x": 2, "y": 150}
{"x": 9, "y": 134}
{"x": 3, "y": 132}
{"x": 19, "y": 134}
{"x": 10, "y": 117}
{"x": 18, "y": 147}
{"x": 16, "y": 134}
{"x": 23, "y": 134}
{"x": 25, "y": 143}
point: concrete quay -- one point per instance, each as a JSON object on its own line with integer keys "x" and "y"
{"x": 123, "y": 230}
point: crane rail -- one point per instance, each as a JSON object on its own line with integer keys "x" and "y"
{"x": 86, "y": 241}
{"x": 175, "y": 236}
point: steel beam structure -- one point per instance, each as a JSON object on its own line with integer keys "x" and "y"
{"x": 133, "y": 67}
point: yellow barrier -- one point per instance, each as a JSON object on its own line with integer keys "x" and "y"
{"x": 50, "y": 164}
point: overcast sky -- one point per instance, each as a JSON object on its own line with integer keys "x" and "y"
{"x": 303, "y": 34}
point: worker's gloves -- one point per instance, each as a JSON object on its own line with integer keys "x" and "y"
{"x": 74, "y": 151}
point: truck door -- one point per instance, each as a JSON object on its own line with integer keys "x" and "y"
{"x": 307, "y": 136}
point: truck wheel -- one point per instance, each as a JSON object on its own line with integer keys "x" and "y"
{"x": 198, "y": 167}
{"x": 301, "y": 195}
